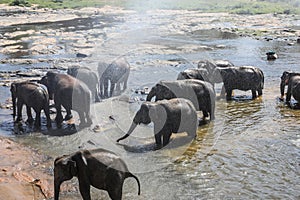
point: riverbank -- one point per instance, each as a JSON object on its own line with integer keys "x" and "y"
{"x": 24, "y": 173}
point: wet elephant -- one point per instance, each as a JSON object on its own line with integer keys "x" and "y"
{"x": 292, "y": 80}
{"x": 201, "y": 93}
{"x": 115, "y": 74}
{"x": 33, "y": 95}
{"x": 169, "y": 116}
{"x": 194, "y": 73}
{"x": 99, "y": 168}
{"x": 87, "y": 76}
{"x": 70, "y": 93}
{"x": 242, "y": 78}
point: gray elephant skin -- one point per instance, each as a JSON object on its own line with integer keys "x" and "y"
{"x": 201, "y": 93}
{"x": 99, "y": 168}
{"x": 33, "y": 95}
{"x": 87, "y": 76}
{"x": 169, "y": 116}
{"x": 70, "y": 93}
{"x": 242, "y": 78}
{"x": 194, "y": 73}
{"x": 115, "y": 74}
{"x": 292, "y": 80}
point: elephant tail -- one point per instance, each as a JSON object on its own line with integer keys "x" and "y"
{"x": 128, "y": 174}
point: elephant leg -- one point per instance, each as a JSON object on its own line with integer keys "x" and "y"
{"x": 105, "y": 88}
{"x": 158, "y": 141}
{"x": 47, "y": 113}
{"x": 222, "y": 95}
{"x": 166, "y": 138}
{"x": 37, "y": 122}
{"x": 116, "y": 193}
{"x": 112, "y": 87}
{"x": 114, "y": 184}
{"x": 205, "y": 114}
{"x": 259, "y": 91}
{"x": 82, "y": 119}
{"x": 228, "y": 94}
{"x": 29, "y": 115}
{"x": 96, "y": 95}
{"x": 85, "y": 189}
{"x": 253, "y": 93}
{"x": 19, "y": 110}
{"x": 59, "y": 118}
{"x": 118, "y": 87}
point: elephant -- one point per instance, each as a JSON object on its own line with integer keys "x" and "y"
{"x": 169, "y": 116}
{"x": 210, "y": 67}
{"x": 70, "y": 93}
{"x": 241, "y": 78}
{"x": 292, "y": 80}
{"x": 194, "y": 73}
{"x": 100, "y": 168}
{"x": 33, "y": 95}
{"x": 87, "y": 76}
{"x": 201, "y": 93}
{"x": 116, "y": 73}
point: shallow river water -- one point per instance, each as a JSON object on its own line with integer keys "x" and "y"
{"x": 250, "y": 151}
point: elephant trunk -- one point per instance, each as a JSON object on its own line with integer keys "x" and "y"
{"x": 150, "y": 95}
{"x": 14, "y": 106}
{"x": 57, "y": 184}
{"x": 282, "y": 85}
{"x": 132, "y": 127}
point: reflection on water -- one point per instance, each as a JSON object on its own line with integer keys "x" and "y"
{"x": 250, "y": 151}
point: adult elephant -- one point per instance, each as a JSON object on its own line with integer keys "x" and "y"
{"x": 201, "y": 94}
{"x": 292, "y": 80}
{"x": 194, "y": 73}
{"x": 169, "y": 116}
{"x": 115, "y": 74}
{"x": 87, "y": 76}
{"x": 70, "y": 93}
{"x": 100, "y": 168}
{"x": 242, "y": 78}
{"x": 33, "y": 95}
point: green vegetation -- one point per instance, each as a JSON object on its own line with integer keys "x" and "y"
{"x": 232, "y": 6}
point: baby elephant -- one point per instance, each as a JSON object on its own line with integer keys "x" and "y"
{"x": 33, "y": 95}
{"x": 100, "y": 168}
{"x": 292, "y": 80}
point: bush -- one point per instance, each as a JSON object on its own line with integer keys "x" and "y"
{"x": 19, "y": 3}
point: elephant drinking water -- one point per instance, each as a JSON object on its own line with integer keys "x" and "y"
{"x": 169, "y": 116}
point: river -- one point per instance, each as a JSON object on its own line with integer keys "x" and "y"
{"x": 250, "y": 151}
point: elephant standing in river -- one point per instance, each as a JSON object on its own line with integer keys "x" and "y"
{"x": 33, "y": 95}
{"x": 116, "y": 73}
{"x": 169, "y": 116}
{"x": 194, "y": 73}
{"x": 201, "y": 94}
{"x": 241, "y": 78}
{"x": 292, "y": 80}
{"x": 87, "y": 76}
{"x": 70, "y": 93}
{"x": 100, "y": 168}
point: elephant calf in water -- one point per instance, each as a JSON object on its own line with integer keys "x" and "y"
{"x": 292, "y": 80}
{"x": 169, "y": 116}
{"x": 33, "y": 95}
{"x": 100, "y": 168}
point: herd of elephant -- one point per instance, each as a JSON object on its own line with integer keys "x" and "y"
{"x": 173, "y": 110}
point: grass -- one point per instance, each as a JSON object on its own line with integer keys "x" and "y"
{"x": 231, "y": 6}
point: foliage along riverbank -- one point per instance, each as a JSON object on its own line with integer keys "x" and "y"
{"x": 231, "y": 6}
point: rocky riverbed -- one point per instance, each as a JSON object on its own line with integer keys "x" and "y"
{"x": 33, "y": 41}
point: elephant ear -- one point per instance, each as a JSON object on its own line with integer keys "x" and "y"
{"x": 158, "y": 115}
{"x": 71, "y": 164}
